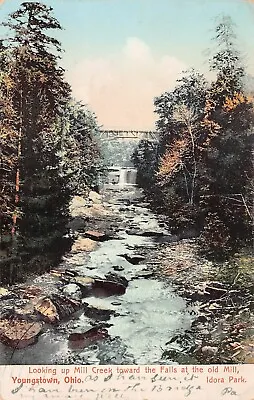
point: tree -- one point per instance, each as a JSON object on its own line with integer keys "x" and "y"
{"x": 183, "y": 109}
{"x": 8, "y": 151}
{"x": 228, "y": 145}
{"x": 145, "y": 159}
{"x": 80, "y": 154}
{"x": 39, "y": 92}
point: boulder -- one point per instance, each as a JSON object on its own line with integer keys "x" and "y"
{"x": 117, "y": 278}
{"x": 118, "y": 268}
{"x": 78, "y": 224}
{"x": 134, "y": 232}
{"x": 133, "y": 259}
{"x": 209, "y": 350}
{"x": 97, "y": 210}
{"x": 94, "y": 197}
{"x": 97, "y": 313}
{"x": 47, "y": 309}
{"x": 84, "y": 282}
{"x": 79, "y": 340}
{"x": 97, "y": 236}
{"x": 145, "y": 274}
{"x": 65, "y": 306}
{"x": 73, "y": 291}
{"x": 111, "y": 285}
{"x": 19, "y": 333}
{"x": 105, "y": 287}
{"x": 78, "y": 206}
{"x": 116, "y": 303}
{"x": 4, "y": 293}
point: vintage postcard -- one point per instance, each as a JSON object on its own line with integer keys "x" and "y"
{"x": 126, "y": 199}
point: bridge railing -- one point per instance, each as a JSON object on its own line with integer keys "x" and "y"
{"x": 121, "y": 134}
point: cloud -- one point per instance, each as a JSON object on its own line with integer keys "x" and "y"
{"x": 120, "y": 87}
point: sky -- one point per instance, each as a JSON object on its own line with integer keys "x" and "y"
{"x": 120, "y": 54}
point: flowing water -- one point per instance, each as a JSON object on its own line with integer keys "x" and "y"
{"x": 140, "y": 322}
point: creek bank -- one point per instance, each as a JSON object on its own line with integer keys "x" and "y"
{"x": 28, "y": 308}
{"x": 222, "y": 293}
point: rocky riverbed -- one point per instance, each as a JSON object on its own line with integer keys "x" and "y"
{"x": 129, "y": 292}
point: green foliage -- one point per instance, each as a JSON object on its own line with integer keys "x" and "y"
{"x": 145, "y": 159}
{"x": 118, "y": 152}
{"x": 80, "y": 153}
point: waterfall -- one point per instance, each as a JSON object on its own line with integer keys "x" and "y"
{"x": 121, "y": 177}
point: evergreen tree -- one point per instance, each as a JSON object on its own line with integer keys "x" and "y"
{"x": 8, "y": 153}
{"x": 228, "y": 145}
{"x": 40, "y": 91}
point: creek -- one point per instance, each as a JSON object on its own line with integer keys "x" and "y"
{"x": 140, "y": 322}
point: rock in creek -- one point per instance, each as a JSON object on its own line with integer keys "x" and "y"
{"x": 118, "y": 268}
{"x": 30, "y": 292}
{"x": 97, "y": 313}
{"x": 134, "y": 232}
{"x": 139, "y": 232}
{"x": 111, "y": 285}
{"x": 79, "y": 340}
{"x": 133, "y": 259}
{"x": 73, "y": 291}
{"x": 19, "y": 333}
{"x": 105, "y": 287}
{"x": 117, "y": 278}
{"x": 144, "y": 274}
{"x": 65, "y": 306}
{"x": 84, "y": 282}
{"x": 94, "y": 197}
{"x": 209, "y": 350}
{"x": 97, "y": 236}
{"x": 47, "y": 309}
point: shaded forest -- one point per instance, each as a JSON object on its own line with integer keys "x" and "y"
{"x": 48, "y": 144}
